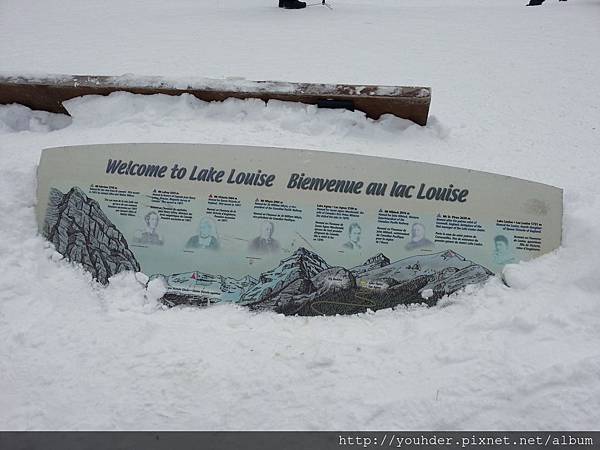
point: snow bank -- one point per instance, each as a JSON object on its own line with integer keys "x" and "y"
{"x": 79, "y": 356}
{"x": 15, "y": 118}
{"x": 122, "y": 108}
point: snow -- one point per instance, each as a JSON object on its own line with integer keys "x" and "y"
{"x": 514, "y": 91}
{"x": 20, "y": 118}
{"x": 427, "y": 293}
{"x": 229, "y": 84}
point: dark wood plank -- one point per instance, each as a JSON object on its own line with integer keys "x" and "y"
{"x": 48, "y": 93}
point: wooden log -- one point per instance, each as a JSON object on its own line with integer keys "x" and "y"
{"x": 48, "y": 93}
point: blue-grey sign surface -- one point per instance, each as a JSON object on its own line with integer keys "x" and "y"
{"x": 294, "y": 231}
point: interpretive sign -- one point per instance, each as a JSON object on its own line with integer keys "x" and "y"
{"x": 294, "y": 231}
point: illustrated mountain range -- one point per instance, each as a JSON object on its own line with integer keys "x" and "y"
{"x": 81, "y": 232}
{"x": 302, "y": 283}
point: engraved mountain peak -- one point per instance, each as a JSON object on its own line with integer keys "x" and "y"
{"x": 80, "y": 231}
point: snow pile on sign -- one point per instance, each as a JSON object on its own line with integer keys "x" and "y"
{"x": 513, "y": 94}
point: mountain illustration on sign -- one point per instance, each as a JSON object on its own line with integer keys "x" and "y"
{"x": 82, "y": 233}
{"x": 198, "y": 288}
{"x": 303, "y": 283}
{"x": 379, "y": 260}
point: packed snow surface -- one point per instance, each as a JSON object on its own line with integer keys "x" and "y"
{"x": 515, "y": 91}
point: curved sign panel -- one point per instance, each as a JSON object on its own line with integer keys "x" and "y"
{"x": 294, "y": 231}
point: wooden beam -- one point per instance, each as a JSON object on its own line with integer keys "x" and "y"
{"x": 48, "y": 93}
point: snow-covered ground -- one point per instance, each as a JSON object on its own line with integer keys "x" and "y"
{"x": 515, "y": 91}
